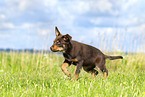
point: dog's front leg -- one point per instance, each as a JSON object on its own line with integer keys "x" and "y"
{"x": 77, "y": 71}
{"x": 64, "y": 69}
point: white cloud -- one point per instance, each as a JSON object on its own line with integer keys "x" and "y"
{"x": 94, "y": 6}
{"x": 129, "y": 20}
{"x": 100, "y": 5}
{"x": 7, "y": 25}
{"x": 140, "y": 29}
{"x": 96, "y": 21}
{"x": 4, "y": 36}
{"x": 50, "y": 3}
{"x": 20, "y": 6}
{"x": 26, "y": 25}
{"x": 66, "y": 17}
{"x": 23, "y": 4}
{"x": 2, "y": 17}
{"x": 127, "y": 4}
{"x": 43, "y": 32}
{"x": 80, "y": 6}
{"x": 102, "y": 30}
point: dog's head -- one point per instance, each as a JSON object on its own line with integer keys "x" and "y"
{"x": 61, "y": 42}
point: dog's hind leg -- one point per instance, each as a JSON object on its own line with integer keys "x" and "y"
{"x": 101, "y": 66}
{"x": 91, "y": 70}
{"x": 105, "y": 72}
{"x": 94, "y": 73}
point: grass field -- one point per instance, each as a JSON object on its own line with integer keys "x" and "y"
{"x": 39, "y": 75}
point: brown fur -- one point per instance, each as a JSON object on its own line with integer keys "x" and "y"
{"x": 81, "y": 55}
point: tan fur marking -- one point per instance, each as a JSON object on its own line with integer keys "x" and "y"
{"x": 74, "y": 60}
{"x": 58, "y": 48}
{"x": 75, "y": 77}
{"x": 63, "y": 45}
{"x": 93, "y": 75}
{"x": 105, "y": 75}
{"x": 64, "y": 69}
{"x": 98, "y": 68}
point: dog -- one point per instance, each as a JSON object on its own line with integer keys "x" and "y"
{"x": 81, "y": 55}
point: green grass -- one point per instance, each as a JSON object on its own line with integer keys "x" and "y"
{"x": 39, "y": 75}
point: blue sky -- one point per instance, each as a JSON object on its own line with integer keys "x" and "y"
{"x": 114, "y": 25}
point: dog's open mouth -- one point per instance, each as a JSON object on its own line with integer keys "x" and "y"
{"x": 56, "y": 49}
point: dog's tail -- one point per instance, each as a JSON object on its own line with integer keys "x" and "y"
{"x": 113, "y": 57}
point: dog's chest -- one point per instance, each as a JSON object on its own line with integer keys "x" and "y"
{"x": 70, "y": 58}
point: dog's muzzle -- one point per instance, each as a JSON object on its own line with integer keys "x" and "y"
{"x": 54, "y": 48}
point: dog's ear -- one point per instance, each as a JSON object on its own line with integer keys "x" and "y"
{"x": 67, "y": 37}
{"x": 57, "y": 32}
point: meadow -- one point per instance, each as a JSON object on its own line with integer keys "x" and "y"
{"x": 24, "y": 74}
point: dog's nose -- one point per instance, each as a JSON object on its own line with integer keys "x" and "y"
{"x": 51, "y": 47}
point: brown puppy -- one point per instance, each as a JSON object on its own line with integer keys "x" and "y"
{"x": 81, "y": 55}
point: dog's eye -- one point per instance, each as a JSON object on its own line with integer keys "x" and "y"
{"x": 58, "y": 42}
